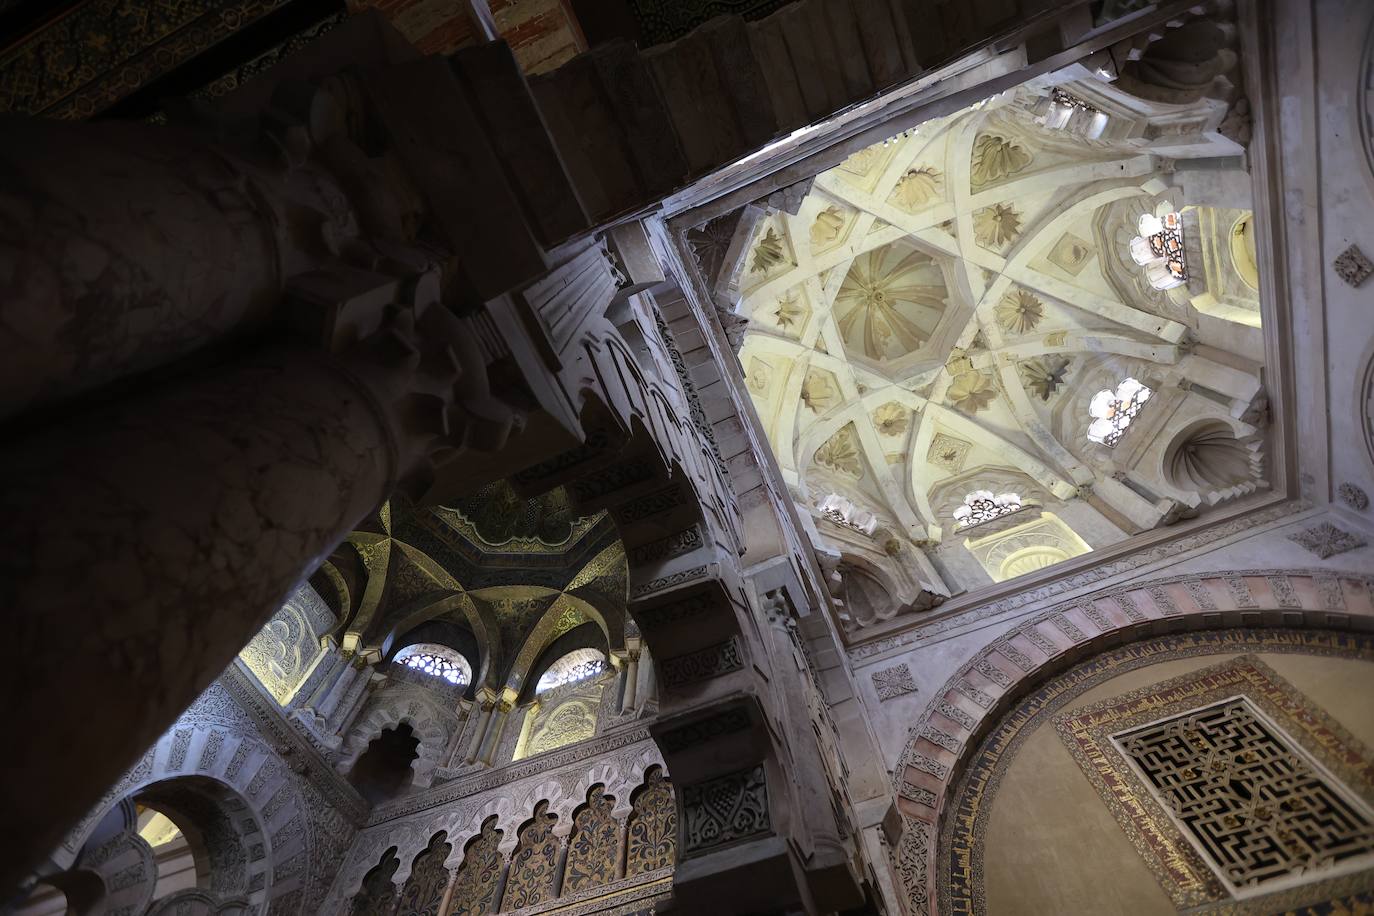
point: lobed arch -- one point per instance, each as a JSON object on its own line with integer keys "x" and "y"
{"x": 946, "y": 737}
{"x": 949, "y": 493}
{"x": 505, "y": 815}
{"x": 430, "y": 723}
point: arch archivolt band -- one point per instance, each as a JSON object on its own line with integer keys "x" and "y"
{"x": 946, "y": 738}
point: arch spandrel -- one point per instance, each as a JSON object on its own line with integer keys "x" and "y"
{"x": 1225, "y": 605}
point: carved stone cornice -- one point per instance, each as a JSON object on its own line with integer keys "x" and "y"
{"x": 1067, "y": 582}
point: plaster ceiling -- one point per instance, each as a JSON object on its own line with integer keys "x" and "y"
{"x": 941, "y": 308}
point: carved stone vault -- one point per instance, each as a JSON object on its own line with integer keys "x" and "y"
{"x": 936, "y": 314}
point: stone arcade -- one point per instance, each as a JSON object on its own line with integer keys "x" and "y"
{"x": 897, "y": 457}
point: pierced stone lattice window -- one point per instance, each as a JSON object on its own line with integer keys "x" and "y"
{"x": 981, "y": 506}
{"x": 1159, "y": 249}
{"x": 577, "y": 665}
{"x": 437, "y": 661}
{"x": 1248, "y": 798}
{"x": 1113, "y": 411}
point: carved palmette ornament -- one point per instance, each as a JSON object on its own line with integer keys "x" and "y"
{"x": 651, "y": 843}
{"x": 534, "y": 867}
{"x": 424, "y": 889}
{"x": 726, "y": 809}
{"x": 474, "y": 890}
{"x": 595, "y": 844}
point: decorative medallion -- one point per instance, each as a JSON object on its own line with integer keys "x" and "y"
{"x": 996, "y": 157}
{"x": 948, "y": 452}
{"x": 1352, "y": 266}
{"x": 893, "y": 682}
{"x": 996, "y": 226}
{"x": 1044, "y": 375}
{"x": 818, "y": 392}
{"x": 841, "y": 452}
{"x": 1326, "y": 540}
{"x": 789, "y": 312}
{"x": 918, "y": 187}
{"x": 758, "y": 376}
{"x": 971, "y": 391}
{"x": 1019, "y": 312}
{"x": 1070, "y": 254}
{"x": 710, "y": 242}
{"x": 827, "y": 226}
{"x": 862, "y": 162}
{"x": 768, "y": 252}
{"x": 1353, "y": 496}
{"x": 891, "y": 419}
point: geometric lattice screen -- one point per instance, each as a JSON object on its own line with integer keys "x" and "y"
{"x": 1253, "y": 803}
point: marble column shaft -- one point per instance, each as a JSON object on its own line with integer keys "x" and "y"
{"x": 347, "y": 712}
{"x": 479, "y": 732}
{"x": 151, "y": 539}
{"x": 123, "y": 247}
{"x": 627, "y": 702}
{"x": 496, "y": 724}
{"x": 338, "y": 685}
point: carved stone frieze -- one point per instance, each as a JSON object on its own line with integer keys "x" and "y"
{"x": 704, "y": 730}
{"x": 668, "y": 581}
{"x": 1100, "y": 572}
{"x": 993, "y": 673}
{"x": 712, "y": 661}
{"x": 955, "y": 714}
{"x": 674, "y": 545}
{"x": 928, "y": 764}
{"x": 941, "y": 738}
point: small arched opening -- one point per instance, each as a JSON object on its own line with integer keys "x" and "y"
{"x": 383, "y": 771}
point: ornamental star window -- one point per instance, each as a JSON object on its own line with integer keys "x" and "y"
{"x": 577, "y": 665}
{"x": 436, "y": 661}
{"x": 1159, "y": 249}
{"x": 1113, "y": 411}
{"x": 982, "y": 506}
{"x": 1249, "y": 799}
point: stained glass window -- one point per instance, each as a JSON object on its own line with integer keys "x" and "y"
{"x": 1159, "y": 249}
{"x": 1113, "y": 411}
{"x": 438, "y": 661}
{"x": 981, "y": 506}
{"x": 577, "y": 665}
